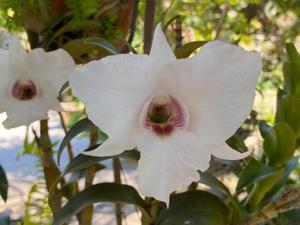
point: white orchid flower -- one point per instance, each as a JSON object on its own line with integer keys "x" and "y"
{"x": 176, "y": 112}
{"x": 30, "y": 82}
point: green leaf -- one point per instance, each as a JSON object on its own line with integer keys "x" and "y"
{"x": 194, "y": 208}
{"x": 100, "y": 42}
{"x": 104, "y": 192}
{"x": 63, "y": 88}
{"x": 76, "y": 48}
{"x": 236, "y": 143}
{"x": 264, "y": 128}
{"x": 82, "y": 161}
{"x": 211, "y": 181}
{"x": 262, "y": 188}
{"x": 279, "y": 144}
{"x": 75, "y": 25}
{"x": 254, "y": 172}
{"x": 288, "y": 169}
{"x": 291, "y": 72}
{"x": 292, "y": 53}
{"x": 81, "y": 126}
{"x": 288, "y": 110}
{"x": 187, "y": 49}
{"x": 265, "y": 189}
{"x": 3, "y": 184}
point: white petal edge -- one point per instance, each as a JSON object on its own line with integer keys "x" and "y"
{"x": 58, "y": 63}
{"x": 51, "y": 70}
{"x": 223, "y": 151}
{"x": 169, "y": 164}
{"x": 17, "y": 56}
{"x": 160, "y": 49}
{"x": 114, "y": 90}
{"x": 5, "y": 78}
{"x": 108, "y": 148}
{"x": 218, "y": 87}
{"x": 24, "y": 113}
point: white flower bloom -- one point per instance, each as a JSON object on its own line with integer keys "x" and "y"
{"x": 177, "y": 112}
{"x": 30, "y": 82}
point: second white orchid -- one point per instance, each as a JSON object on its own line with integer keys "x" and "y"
{"x": 30, "y": 82}
{"x": 177, "y": 112}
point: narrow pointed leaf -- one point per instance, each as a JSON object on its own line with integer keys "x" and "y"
{"x": 254, "y": 172}
{"x": 82, "y": 161}
{"x": 81, "y": 126}
{"x": 3, "y": 184}
{"x": 288, "y": 169}
{"x": 104, "y": 192}
{"x": 187, "y": 49}
{"x": 100, "y": 42}
{"x": 292, "y": 53}
{"x": 211, "y": 181}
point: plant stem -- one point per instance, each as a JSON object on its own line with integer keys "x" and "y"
{"x": 178, "y": 31}
{"x": 86, "y": 215}
{"x": 149, "y": 24}
{"x": 117, "y": 177}
{"x": 51, "y": 171}
{"x": 288, "y": 201}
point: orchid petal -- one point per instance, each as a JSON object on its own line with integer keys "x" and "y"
{"x": 17, "y": 56}
{"x": 114, "y": 90}
{"x": 223, "y": 151}
{"x": 169, "y": 164}
{"x": 160, "y": 49}
{"x": 218, "y": 87}
{"x": 51, "y": 70}
{"x": 5, "y": 77}
{"x": 24, "y": 113}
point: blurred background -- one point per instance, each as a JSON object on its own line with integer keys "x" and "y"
{"x": 258, "y": 25}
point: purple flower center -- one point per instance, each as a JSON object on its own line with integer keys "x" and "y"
{"x": 164, "y": 114}
{"x": 24, "y": 90}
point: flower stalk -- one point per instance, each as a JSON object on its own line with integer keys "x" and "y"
{"x": 51, "y": 171}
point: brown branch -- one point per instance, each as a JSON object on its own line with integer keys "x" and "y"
{"x": 117, "y": 177}
{"x": 221, "y": 22}
{"x": 149, "y": 24}
{"x": 86, "y": 215}
{"x": 51, "y": 171}
{"x": 288, "y": 201}
{"x": 178, "y": 31}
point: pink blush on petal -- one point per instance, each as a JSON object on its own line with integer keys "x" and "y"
{"x": 24, "y": 90}
{"x": 176, "y": 118}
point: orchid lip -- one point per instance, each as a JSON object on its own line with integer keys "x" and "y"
{"x": 164, "y": 115}
{"x": 24, "y": 90}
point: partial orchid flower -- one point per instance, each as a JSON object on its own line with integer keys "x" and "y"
{"x": 176, "y": 112}
{"x": 30, "y": 82}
